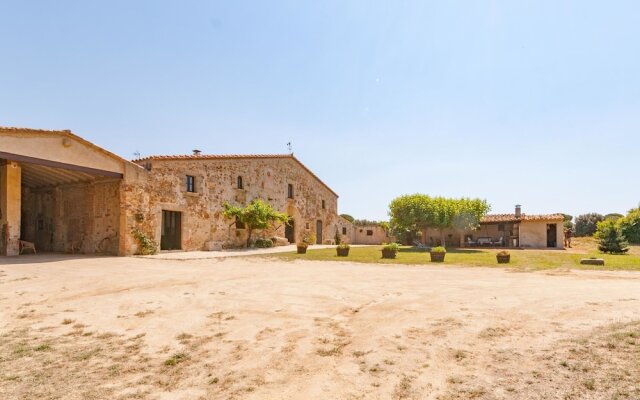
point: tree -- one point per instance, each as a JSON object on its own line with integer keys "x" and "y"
{"x": 412, "y": 213}
{"x": 568, "y": 221}
{"x": 256, "y": 215}
{"x": 613, "y": 216}
{"x": 630, "y": 225}
{"x": 586, "y": 224}
{"x": 610, "y": 237}
{"x": 347, "y": 217}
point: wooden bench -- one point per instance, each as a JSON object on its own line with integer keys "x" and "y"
{"x": 24, "y": 245}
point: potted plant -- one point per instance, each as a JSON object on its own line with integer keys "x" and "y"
{"x": 437, "y": 254}
{"x": 302, "y": 247}
{"x": 503, "y": 257}
{"x": 309, "y": 239}
{"x": 390, "y": 250}
{"x": 343, "y": 249}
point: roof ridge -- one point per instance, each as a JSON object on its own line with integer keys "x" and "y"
{"x": 209, "y": 156}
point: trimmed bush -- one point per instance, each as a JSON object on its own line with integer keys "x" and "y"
{"x": 263, "y": 243}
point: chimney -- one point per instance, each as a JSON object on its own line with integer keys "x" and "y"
{"x": 518, "y": 210}
{"x": 196, "y": 152}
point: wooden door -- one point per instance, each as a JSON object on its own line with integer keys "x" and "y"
{"x": 170, "y": 239}
{"x": 318, "y": 232}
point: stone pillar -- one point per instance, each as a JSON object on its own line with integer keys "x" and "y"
{"x": 10, "y": 203}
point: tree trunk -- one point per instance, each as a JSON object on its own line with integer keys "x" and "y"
{"x": 442, "y": 242}
{"x": 249, "y": 232}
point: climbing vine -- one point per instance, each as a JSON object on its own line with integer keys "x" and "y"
{"x": 146, "y": 245}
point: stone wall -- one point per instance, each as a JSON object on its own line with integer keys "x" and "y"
{"x": 81, "y": 217}
{"x": 371, "y": 234}
{"x": 162, "y": 186}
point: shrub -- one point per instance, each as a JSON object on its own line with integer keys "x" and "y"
{"x": 630, "y": 226}
{"x": 344, "y": 246}
{"x": 503, "y": 253}
{"x": 263, "y": 243}
{"x": 392, "y": 246}
{"x": 338, "y": 238}
{"x": 586, "y": 224}
{"x": 610, "y": 238}
{"x": 309, "y": 239}
{"x": 302, "y": 244}
{"x": 438, "y": 249}
{"x": 146, "y": 245}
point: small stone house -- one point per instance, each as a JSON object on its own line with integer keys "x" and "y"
{"x": 517, "y": 230}
{"x": 65, "y": 194}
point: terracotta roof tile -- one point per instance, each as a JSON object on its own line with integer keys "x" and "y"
{"x": 187, "y": 157}
{"x": 210, "y": 157}
{"x": 500, "y": 218}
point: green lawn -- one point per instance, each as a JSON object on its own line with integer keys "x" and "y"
{"x": 520, "y": 259}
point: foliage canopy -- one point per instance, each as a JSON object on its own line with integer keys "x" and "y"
{"x": 256, "y": 215}
{"x": 415, "y": 212}
{"x": 586, "y": 224}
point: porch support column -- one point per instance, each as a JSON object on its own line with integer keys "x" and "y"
{"x": 10, "y": 201}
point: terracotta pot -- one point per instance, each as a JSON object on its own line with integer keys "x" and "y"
{"x": 388, "y": 253}
{"x": 342, "y": 252}
{"x": 503, "y": 259}
{"x": 302, "y": 250}
{"x": 437, "y": 256}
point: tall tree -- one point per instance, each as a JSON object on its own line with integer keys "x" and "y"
{"x": 630, "y": 225}
{"x": 256, "y": 215}
{"x": 412, "y": 213}
{"x": 586, "y": 224}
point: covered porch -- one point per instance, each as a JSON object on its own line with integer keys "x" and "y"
{"x": 57, "y": 195}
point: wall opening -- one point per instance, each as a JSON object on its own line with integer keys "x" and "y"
{"x": 170, "y": 238}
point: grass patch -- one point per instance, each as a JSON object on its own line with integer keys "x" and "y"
{"x": 176, "y": 359}
{"x": 520, "y": 259}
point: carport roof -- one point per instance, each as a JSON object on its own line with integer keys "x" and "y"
{"x": 64, "y": 132}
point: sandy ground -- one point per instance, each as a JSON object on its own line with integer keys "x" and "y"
{"x": 254, "y": 328}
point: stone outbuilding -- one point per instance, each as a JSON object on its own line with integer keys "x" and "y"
{"x": 65, "y": 194}
{"x": 517, "y": 230}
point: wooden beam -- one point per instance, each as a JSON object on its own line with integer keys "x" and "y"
{"x": 56, "y": 164}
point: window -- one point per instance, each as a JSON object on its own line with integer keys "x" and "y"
{"x": 323, "y": 205}
{"x": 344, "y": 231}
{"x": 191, "y": 184}
{"x": 239, "y": 224}
{"x": 369, "y": 232}
{"x": 240, "y": 185}
{"x": 290, "y": 191}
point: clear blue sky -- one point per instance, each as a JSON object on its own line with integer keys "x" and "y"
{"x": 532, "y": 102}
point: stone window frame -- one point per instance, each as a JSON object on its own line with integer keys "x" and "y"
{"x": 344, "y": 230}
{"x": 240, "y": 183}
{"x": 369, "y": 232}
{"x": 290, "y": 191}
{"x": 324, "y": 205}
{"x": 190, "y": 183}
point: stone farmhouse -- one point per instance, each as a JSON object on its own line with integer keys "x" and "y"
{"x": 65, "y": 194}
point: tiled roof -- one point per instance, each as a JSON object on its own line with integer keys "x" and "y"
{"x": 211, "y": 157}
{"x": 500, "y": 218}
{"x": 188, "y": 157}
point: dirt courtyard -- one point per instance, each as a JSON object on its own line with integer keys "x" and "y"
{"x": 257, "y": 328}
